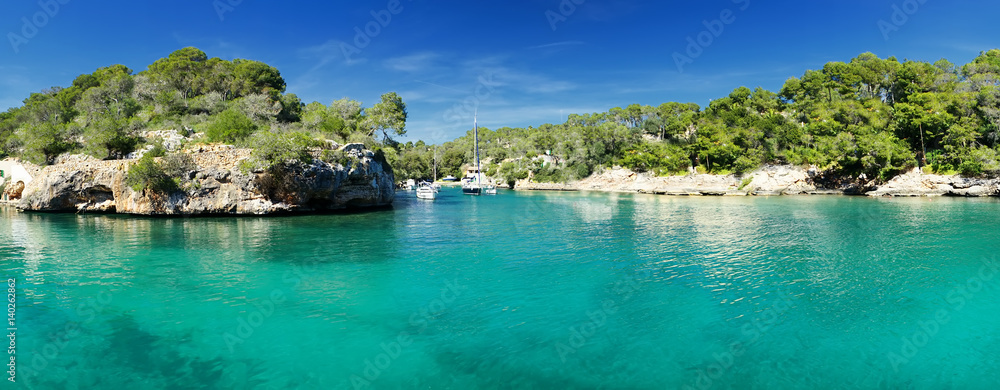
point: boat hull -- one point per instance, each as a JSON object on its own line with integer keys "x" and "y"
{"x": 426, "y": 194}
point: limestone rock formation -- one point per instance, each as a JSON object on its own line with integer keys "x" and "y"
{"x": 217, "y": 186}
{"x": 769, "y": 180}
{"x": 779, "y": 180}
{"x": 915, "y": 183}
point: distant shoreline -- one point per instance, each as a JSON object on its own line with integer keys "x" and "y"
{"x": 773, "y": 181}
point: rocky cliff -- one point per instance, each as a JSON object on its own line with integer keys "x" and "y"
{"x": 216, "y": 186}
{"x": 915, "y": 184}
{"x": 770, "y": 180}
{"x": 775, "y": 180}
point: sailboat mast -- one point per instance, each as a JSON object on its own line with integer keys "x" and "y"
{"x": 479, "y": 174}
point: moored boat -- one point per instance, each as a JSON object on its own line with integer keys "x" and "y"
{"x": 425, "y": 191}
{"x": 472, "y": 185}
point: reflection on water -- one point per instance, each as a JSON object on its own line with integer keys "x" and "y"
{"x": 520, "y": 290}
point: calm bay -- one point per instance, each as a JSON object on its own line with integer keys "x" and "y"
{"x": 521, "y": 290}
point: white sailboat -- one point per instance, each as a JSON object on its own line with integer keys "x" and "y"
{"x": 473, "y": 185}
{"x": 426, "y": 191}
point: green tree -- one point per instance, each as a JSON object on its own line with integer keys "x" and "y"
{"x": 349, "y": 111}
{"x": 178, "y": 165}
{"x": 660, "y": 157}
{"x": 8, "y": 129}
{"x": 110, "y": 138}
{"x": 291, "y": 108}
{"x": 413, "y": 163}
{"x": 512, "y": 171}
{"x": 272, "y": 151}
{"x": 321, "y": 118}
{"x": 181, "y": 70}
{"x": 113, "y": 98}
{"x": 43, "y": 142}
{"x": 147, "y": 174}
{"x": 230, "y": 126}
{"x": 923, "y": 121}
{"x": 253, "y": 77}
{"x": 387, "y": 117}
{"x": 452, "y": 161}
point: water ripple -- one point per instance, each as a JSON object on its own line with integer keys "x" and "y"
{"x": 521, "y": 290}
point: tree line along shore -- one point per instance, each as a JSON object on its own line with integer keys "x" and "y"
{"x": 868, "y": 119}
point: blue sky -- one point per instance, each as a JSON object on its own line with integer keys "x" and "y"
{"x": 504, "y": 57}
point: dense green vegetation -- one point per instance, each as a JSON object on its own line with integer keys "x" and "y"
{"x": 241, "y": 102}
{"x": 148, "y": 174}
{"x": 870, "y": 116}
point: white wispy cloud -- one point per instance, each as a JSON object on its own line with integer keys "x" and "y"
{"x": 449, "y": 90}
{"x": 443, "y": 90}
{"x": 550, "y": 86}
{"x": 556, "y": 45}
{"x": 439, "y": 86}
{"x": 966, "y": 47}
{"x": 530, "y": 81}
{"x": 329, "y": 52}
{"x": 320, "y": 56}
{"x": 412, "y": 95}
{"x": 414, "y": 63}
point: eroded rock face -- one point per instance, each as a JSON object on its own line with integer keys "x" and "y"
{"x": 917, "y": 184}
{"x": 217, "y": 186}
{"x": 769, "y": 180}
{"x": 75, "y": 186}
{"x": 777, "y": 180}
{"x": 780, "y": 180}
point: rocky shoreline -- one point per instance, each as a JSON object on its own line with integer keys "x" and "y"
{"x": 216, "y": 185}
{"x": 773, "y": 181}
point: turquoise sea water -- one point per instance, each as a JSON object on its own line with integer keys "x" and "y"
{"x": 517, "y": 291}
